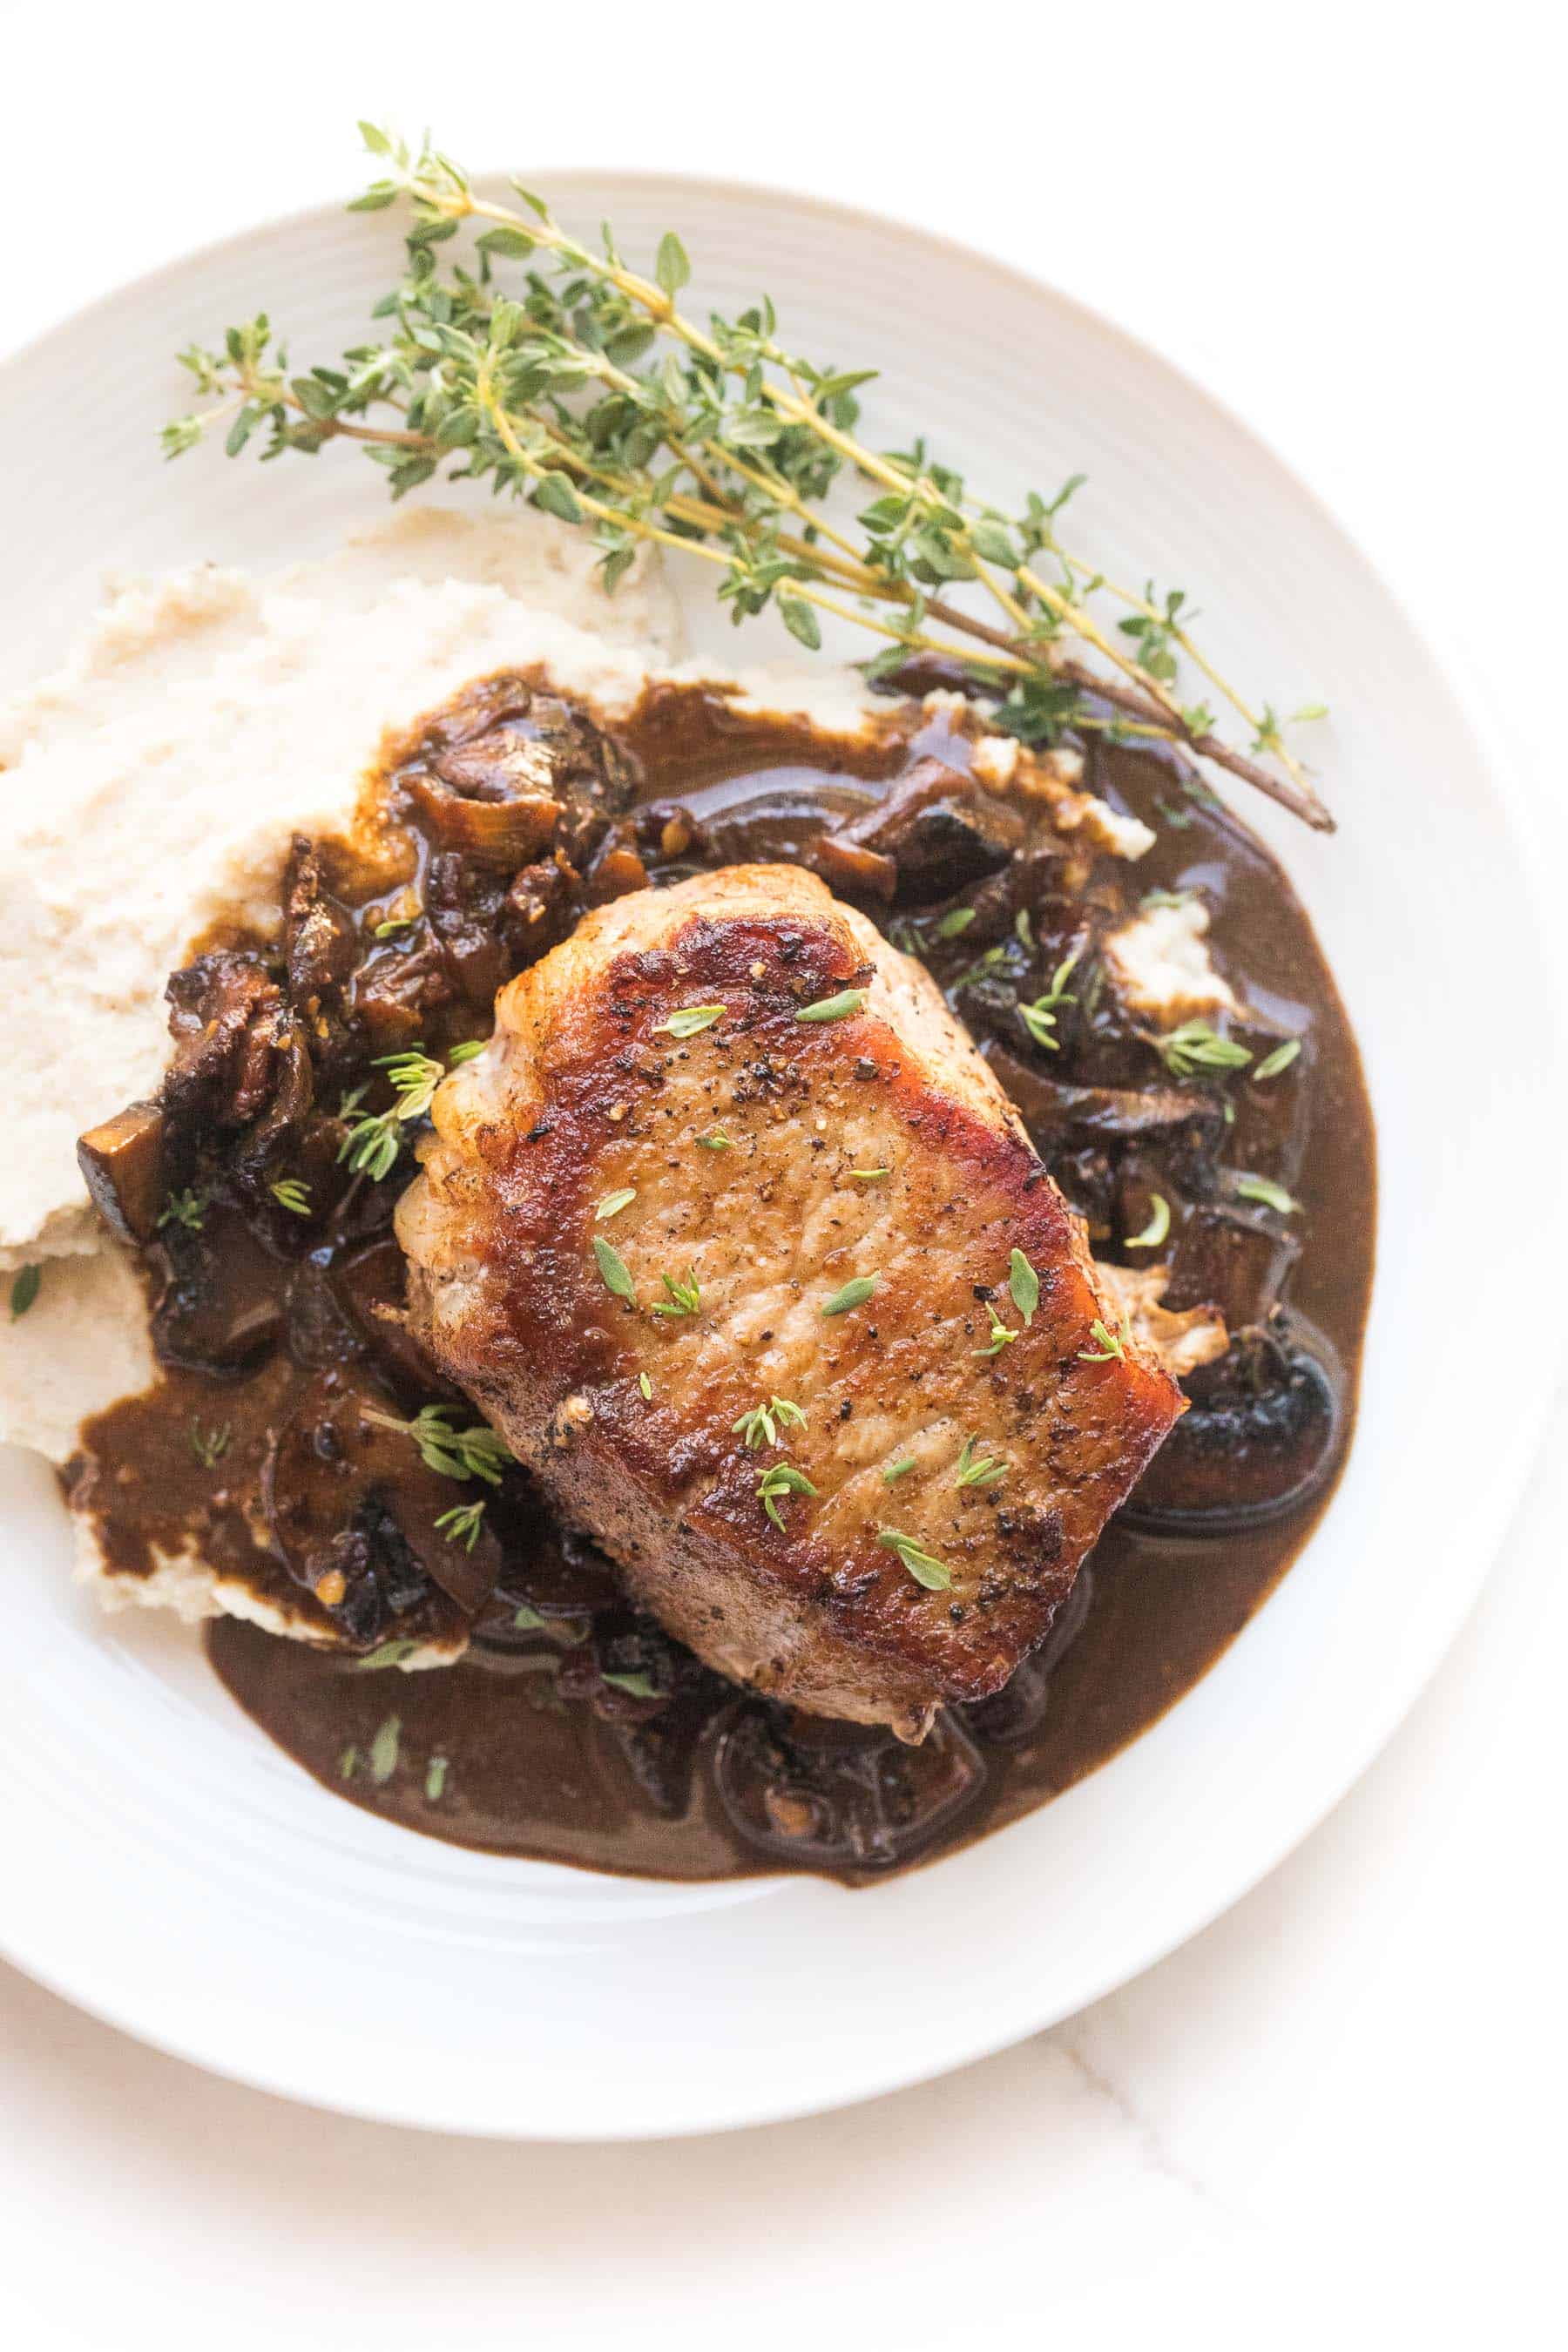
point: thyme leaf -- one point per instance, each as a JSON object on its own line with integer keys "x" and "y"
{"x": 1023, "y": 1284}
{"x": 210, "y": 1445}
{"x": 682, "y": 1297}
{"x": 383, "y": 1750}
{"x": 979, "y": 1470}
{"x": 640, "y": 1684}
{"x": 761, "y": 1427}
{"x": 854, "y": 1293}
{"x": 835, "y": 1008}
{"x": 1272, "y": 1196}
{"x": 1040, "y": 1017}
{"x": 475, "y": 1452}
{"x": 461, "y": 1524}
{"x": 691, "y": 1022}
{"x": 783, "y": 1478}
{"x": 1108, "y": 1344}
{"x": 1280, "y": 1059}
{"x": 1157, "y": 1226}
{"x": 1197, "y": 1045}
{"x": 390, "y": 1654}
{"x": 613, "y": 1267}
{"x": 25, "y": 1289}
{"x": 921, "y": 1565}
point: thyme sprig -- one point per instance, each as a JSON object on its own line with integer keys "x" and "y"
{"x": 374, "y": 1141}
{"x": 1040, "y": 1017}
{"x": 761, "y": 1427}
{"x": 1198, "y": 1045}
{"x": 472, "y": 1452}
{"x": 783, "y": 1478}
{"x": 920, "y": 1564}
{"x": 722, "y": 443}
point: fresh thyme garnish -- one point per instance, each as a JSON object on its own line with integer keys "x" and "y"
{"x": 570, "y": 1632}
{"x": 1002, "y": 1335}
{"x": 348, "y": 1763}
{"x": 383, "y": 1750}
{"x": 854, "y": 1293}
{"x": 466, "y": 1051}
{"x": 682, "y": 1298}
{"x": 695, "y": 1018}
{"x": 920, "y": 1564}
{"x": 980, "y": 969}
{"x": 1023, "y": 930}
{"x": 761, "y": 1427}
{"x": 868, "y": 1175}
{"x": 726, "y": 444}
{"x": 835, "y": 1008}
{"x": 389, "y": 1653}
{"x": 291, "y": 1195}
{"x": 956, "y": 920}
{"x": 1280, "y": 1059}
{"x": 896, "y": 1470}
{"x": 783, "y": 1478}
{"x": 1157, "y": 1226}
{"x": 1195, "y": 1046}
{"x": 373, "y": 1143}
{"x": 472, "y": 1452}
{"x": 614, "y": 1203}
{"x": 462, "y": 1524}
{"x": 188, "y": 1208}
{"x": 25, "y": 1289}
{"x": 979, "y": 1470}
{"x": 415, "y": 1077}
{"x": 1108, "y": 1344}
{"x": 1040, "y": 1017}
{"x": 1153, "y": 898}
{"x": 1023, "y": 1284}
{"x": 715, "y": 1141}
{"x": 645, "y": 1385}
{"x": 1272, "y": 1195}
{"x": 640, "y": 1685}
{"x": 210, "y": 1445}
{"x": 394, "y": 923}
{"x": 435, "y": 1778}
{"x": 613, "y": 1267}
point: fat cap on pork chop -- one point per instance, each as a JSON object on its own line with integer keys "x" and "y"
{"x": 636, "y": 1226}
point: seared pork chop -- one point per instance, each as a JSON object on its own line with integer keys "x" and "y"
{"x": 737, "y": 1240}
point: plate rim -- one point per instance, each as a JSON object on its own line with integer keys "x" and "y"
{"x": 1497, "y": 763}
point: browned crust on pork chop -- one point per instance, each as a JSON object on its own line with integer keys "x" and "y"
{"x": 584, "y": 1092}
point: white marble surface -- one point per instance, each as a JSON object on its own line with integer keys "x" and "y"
{"x": 1340, "y": 2108}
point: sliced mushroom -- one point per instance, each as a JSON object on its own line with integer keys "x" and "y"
{"x": 831, "y": 1796}
{"x": 939, "y": 829}
{"x": 121, "y": 1164}
{"x": 1262, "y": 1439}
{"x": 1175, "y": 1119}
{"x": 354, "y": 1512}
{"x": 1235, "y": 1261}
{"x": 220, "y": 1306}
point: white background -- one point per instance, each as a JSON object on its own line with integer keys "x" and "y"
{"x": 1341, "y": 2108}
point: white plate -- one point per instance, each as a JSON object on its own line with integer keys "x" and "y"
{"x": 164, "y": 1866}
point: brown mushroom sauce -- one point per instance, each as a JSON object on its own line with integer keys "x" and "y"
{"x": 573, "y": 1729}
